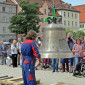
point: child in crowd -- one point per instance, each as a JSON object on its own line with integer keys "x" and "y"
{"x": 77, "y": 49}
{"x": 9, "y": 55}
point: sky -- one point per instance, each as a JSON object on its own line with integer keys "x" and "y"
{"x": 75, "y": 2}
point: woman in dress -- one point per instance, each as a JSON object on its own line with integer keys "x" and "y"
{"x": 77, "y": 49}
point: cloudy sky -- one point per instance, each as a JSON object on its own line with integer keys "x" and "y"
{"x": 75, "y": 2}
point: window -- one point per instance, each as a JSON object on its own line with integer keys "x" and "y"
{"x": 9, "y": 19}
{"x": 61, "y": 12}
{"x": 42, "y": 20}
{"x": 65, "y": 23}
{"x": 72, "y": 23}
{"x": 3, "y": 9}
{"x": 68, "y": 23}
{"x": 4, "y": 19}
{"x": 72, "y": 15}
{"x": 75, "y": 23}
{"x": 76, "y": 16}
{"x": 10, "y": 9}
{"x": 68, "y": 14}
{"x": 45, "y": 11}
{"x": 48, "y": 10}
{"x": 4, "y": 29}
{"x": 82, "y": 26}
{"x": 64, "y": 14}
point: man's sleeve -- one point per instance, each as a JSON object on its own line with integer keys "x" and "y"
{"x": 35, "y": 50}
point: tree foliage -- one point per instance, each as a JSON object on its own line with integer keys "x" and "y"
{"x": 75, "y": 34}
{"x": 27, "y": 19}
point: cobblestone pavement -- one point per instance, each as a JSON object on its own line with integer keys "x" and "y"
{"x": 46, "y": 76}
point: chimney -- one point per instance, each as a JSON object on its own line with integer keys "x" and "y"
{"x": 66, "y": 6}
{"x": 70, "y": 6}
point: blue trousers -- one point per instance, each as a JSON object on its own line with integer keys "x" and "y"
{"x": 55, "y": 64}
{"x": 71, "y": 61}
{"x": 76, "y": 61}
{"x": 28, "y": 73}
{"x": 3, "y": 60}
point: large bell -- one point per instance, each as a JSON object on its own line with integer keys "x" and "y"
{"x": 54, "y": 43}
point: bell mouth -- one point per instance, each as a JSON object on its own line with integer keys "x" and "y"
{"x": 57, "y": 55}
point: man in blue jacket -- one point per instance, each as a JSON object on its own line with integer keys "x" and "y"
{"x": 3, "y": 50}
{"x": 29, "y": 53}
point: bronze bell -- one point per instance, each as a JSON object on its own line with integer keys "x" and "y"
{"x": 54, "y": 43}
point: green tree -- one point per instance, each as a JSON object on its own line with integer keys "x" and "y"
{"x": 75, "y": 34}
{"x": 27, "y": 19}
{"x": 68, "y": 31}
{"x": 78, "y": 33}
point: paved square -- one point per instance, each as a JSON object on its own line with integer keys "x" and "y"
{"x": 46, "y": 76}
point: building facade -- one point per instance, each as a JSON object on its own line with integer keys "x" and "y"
{"x": 70, "y": 16}
{"x": 81, "y": 8}
{"x": 70, "y": 19}
{"x": 7, "y": 10}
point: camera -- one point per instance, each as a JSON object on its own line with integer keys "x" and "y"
{"x": 15, "y": 45}
{"x": 69, "y": 38}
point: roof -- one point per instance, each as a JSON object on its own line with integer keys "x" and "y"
{"x": 9, "y": 2}
{"x": 59, "y": 4}
{"x": 56, "y": 14}
{"x": 41, "y": 2}
{"x": 81, "y": 8}
{"x": 40, "y": 13}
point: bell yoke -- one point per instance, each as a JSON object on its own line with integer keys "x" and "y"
{"x": 29, "y": 54}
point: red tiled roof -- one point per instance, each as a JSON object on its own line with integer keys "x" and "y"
{"x": 10, "y": 2}
{"x": 59, "y": 4}
{"x": 40, "y": 13}
{"x": 49, "y": 5}
{"x": 33, "y": 1}
{"x": 81, "y": 8}
{"x": 56, "y": 14}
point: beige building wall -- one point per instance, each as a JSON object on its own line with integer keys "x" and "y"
{"x": 82, "y": 26}
{"x": 6, "y": 12}
{"x": 43, "y": 16}
{"x": 70, "y": 19}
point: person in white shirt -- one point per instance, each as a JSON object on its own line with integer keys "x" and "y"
{"x": 19, "y": 50}
{"x": 14, "y": 53}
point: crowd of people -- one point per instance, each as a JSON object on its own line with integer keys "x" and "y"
{"x": 72, "y": 64}
{"x": 11, "y": 55}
